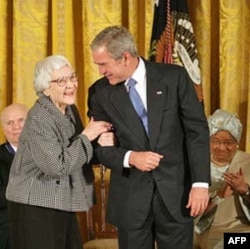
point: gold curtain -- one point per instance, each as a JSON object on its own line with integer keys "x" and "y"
{"x": 31, "y": 30}
{"x": 223, "y": 41}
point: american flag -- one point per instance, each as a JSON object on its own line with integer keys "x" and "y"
{"x": 173, "y": 40}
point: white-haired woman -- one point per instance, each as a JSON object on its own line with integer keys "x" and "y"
{"x": 229, "y": 208}
{"x": 50, "y": 178}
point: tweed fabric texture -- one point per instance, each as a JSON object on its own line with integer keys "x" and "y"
{"x": 50, "y": 168}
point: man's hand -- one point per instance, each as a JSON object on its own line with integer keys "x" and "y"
{"x": 198, "y": 200}
{"x": 145, "y": 161}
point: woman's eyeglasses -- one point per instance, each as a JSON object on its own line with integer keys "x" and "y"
{"x": 62, "y": 81}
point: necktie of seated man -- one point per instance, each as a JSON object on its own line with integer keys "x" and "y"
{"x": 137, "y": 103}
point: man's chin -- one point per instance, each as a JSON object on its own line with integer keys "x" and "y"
{"x": 113, "y": 81}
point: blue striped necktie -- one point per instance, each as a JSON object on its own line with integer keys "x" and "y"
{"x": 137, "y": 103}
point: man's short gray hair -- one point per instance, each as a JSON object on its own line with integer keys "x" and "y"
{"x": 117, "y": 40}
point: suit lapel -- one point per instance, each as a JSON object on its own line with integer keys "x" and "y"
{"x": 156, "y": 95}
{"x": 123, "y": 105}
{"x": 7, "y": 153}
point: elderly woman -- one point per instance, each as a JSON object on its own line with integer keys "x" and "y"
{"x": 50, "y": 178}
{"x": 229, "y": 206}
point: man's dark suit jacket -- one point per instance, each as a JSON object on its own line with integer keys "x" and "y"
{"x": 6, "y": 159}
{"x": 177, "y": 129}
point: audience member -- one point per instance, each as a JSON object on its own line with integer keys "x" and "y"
{"x": 228, "y": 210}
{"x": 12, "y": 120}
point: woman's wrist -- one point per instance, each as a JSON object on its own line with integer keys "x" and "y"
{"x": 246, "y": 192}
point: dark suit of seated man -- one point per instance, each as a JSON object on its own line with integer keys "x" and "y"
{"x": 12, "y": 120}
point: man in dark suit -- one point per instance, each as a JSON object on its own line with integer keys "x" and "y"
{"x": 12, "y": 120}
{"x": 160, "y": 166}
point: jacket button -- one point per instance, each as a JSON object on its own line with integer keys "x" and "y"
{"x": 57, "y": 181}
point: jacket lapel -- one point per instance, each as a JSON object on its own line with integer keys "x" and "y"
{"x": 156, "y": 95}
{"x": 128, "y": 115}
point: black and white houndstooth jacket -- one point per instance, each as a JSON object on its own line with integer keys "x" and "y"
{"x": 50, "y": 168}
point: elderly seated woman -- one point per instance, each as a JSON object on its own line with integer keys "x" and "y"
{"x": 228, "y": 210}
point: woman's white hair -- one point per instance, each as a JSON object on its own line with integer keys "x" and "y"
{"x": 44, "y": 69}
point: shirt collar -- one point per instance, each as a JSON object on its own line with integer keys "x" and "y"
{"x": 139, "y": 74}
{"x": 11, "y": 148}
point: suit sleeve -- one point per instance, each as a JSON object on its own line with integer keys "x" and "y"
{"x": 110, "y": 156}
{"x": 195, "y": 129}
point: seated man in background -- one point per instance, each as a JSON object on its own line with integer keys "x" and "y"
{"x": 228, "y": 210}
{"x": 12, "y": 119}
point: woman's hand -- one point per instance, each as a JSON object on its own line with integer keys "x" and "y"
{"x": 106, "y": 139}
{"x": 236, "y": 181}
{"x": 225, "y": 191}
{"x": 96, "y": 128}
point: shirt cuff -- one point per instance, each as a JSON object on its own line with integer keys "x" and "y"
{"x": 200, "y": 185}
{"x": 126, "y": 159}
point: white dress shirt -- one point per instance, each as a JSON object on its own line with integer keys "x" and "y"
{"x": 139, "y": 76}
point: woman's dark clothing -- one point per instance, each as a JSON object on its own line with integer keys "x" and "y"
{"x": 29, "y": 227}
